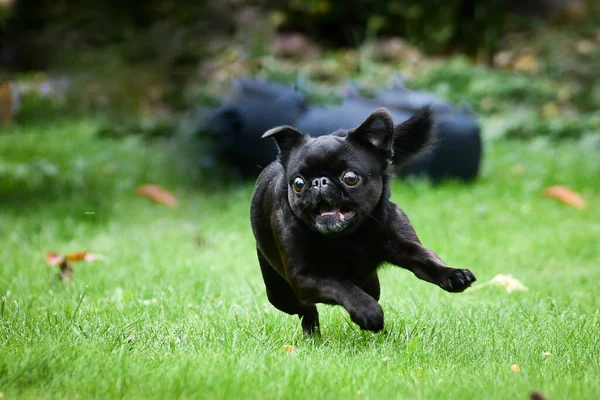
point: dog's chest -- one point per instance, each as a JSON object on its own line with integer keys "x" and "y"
{"x": 343, "y": 258}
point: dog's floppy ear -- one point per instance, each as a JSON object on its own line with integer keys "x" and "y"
{"x": 286, "y": 137}
{"x": 377, "y": 130}
{"x": 414, "y": 136}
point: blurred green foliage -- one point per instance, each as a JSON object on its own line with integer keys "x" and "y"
{"x": 527, "y": 106}
{"x": 434, "y": 25}
{"x": 147, "y": 65}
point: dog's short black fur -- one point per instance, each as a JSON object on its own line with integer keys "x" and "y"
{"x": 323, "y": 220}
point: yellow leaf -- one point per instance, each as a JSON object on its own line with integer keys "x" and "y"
{"x": 507, "y": 282}
{"x": 288, "y": 347}
{"x": 515, "y": 368}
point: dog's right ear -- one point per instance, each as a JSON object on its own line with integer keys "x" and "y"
{"x": 286, "y": 137}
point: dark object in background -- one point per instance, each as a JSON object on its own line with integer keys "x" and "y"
{"x": 253, "y": 108}
{"x": 323, "y": 221}
{"x": 456, "y": 154}
{"x": 458, "y": 151}
{"x": 256, "y": 106}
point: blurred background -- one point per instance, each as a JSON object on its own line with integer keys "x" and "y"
{"x": 156, "y": 70}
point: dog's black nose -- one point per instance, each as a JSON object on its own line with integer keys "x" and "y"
{"x": 320, "y": 182}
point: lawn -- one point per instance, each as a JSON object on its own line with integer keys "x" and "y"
{"x": 177, "y": 307}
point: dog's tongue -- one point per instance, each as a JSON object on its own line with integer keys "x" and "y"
{"x": 331, "y": 211}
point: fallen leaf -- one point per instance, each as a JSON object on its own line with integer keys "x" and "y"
{"x": 565, "y": 195}
{"x": 83, "y": 256}
{"x": 66, "y": 271}
{"x": 158, "y": 194}
{"x": 288, "y": 347}
{"x": 506, "y": 282}
{"x": 54, "y": 259}
{"x": 515, "y": 368}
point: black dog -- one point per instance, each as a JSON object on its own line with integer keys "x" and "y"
{"x": 323, "y": 221}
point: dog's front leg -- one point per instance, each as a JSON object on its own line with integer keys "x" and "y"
{"x": 404, "y": 249}
{"x": 364, "y": 310}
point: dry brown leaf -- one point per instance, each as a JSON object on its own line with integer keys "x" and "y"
{"x": 158, "y": 194}
{"x": 66, "y": 271}
{"x": 83, "y": 256}
{"x": 54, "y": 259}
{"x": 565, "y": 195}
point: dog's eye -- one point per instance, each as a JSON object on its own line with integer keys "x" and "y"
{"x": 298, "y": 184}
{"x": 351, "y": 178}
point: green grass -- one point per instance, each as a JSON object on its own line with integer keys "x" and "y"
{"x": 178, "y": 309}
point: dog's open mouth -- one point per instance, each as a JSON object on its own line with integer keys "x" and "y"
{"x": 333, "y": 219}
{"x": 342, "y": 213}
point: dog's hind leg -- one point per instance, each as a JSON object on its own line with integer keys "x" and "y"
{"x": 371, "y": 286}
{"x": 282, "y": 297}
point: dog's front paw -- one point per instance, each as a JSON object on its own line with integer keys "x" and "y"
{"x": 368, "y": 316}
{"x": 457, "y": 280}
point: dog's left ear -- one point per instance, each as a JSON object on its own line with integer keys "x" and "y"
{"x": 378, "y": 131}
{"x": 415, "y": 136}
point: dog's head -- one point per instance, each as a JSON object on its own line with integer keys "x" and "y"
{"x": 336, "y": 181}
